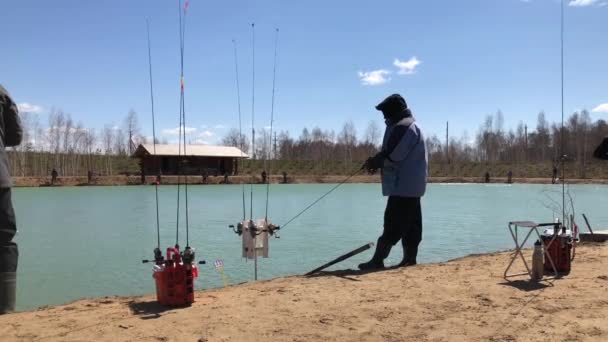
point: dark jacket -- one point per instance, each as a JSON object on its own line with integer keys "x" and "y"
{"x": 405, "y": 168}
{"x": 10, "y": 134}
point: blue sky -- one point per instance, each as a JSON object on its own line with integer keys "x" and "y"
{"x": 452, "y": 60}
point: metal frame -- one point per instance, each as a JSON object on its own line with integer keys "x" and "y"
{"x": 533, "y": 227}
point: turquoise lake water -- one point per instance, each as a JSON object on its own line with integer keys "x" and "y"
{"x": 81, "y": 242}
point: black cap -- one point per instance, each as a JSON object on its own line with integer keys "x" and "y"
{"x": 393, "y": 104}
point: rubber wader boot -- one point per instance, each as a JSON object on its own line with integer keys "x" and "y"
{"x": 382, "y": 251}
{"x": 409, "y": 255}
{"x": 8, "y": 282}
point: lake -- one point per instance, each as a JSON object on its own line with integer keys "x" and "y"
{"x": 80, "y": 242}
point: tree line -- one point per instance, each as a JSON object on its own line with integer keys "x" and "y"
{"x": 73, "y": 150}
{"x": 493, "y": 143}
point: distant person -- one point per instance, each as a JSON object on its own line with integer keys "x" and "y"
{"x": 554, "y": 176}
{"x": 54, "y": 175}
{"x": 404, "y": 164}
{"x": 11, "y": 134}
{"x": 226, "y": 180}
{"x": 205, "y": 177}
{"x": 487, "y": 177}
{"x": 264, "y": 177}
{"x": 284, "y": 177}
{"x": 510, "y": 177}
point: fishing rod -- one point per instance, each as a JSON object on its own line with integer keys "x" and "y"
{"x": 174, "y": 274}
{"x": 238, "y": 99}
{"x": 252, "y": 113}
{"x": 158, "y": 256}
{"x": 274, "y": 77}
{"x": 563, "y": 152}
{"x": 183, "y": 113}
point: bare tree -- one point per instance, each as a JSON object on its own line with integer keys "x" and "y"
{"x": 236, "y": 139}
{"x": 132, "y": 129}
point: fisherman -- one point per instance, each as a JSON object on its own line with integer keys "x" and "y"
{"x": 205, "y": 176}
{"x": 10, "y": 135}
{"x": 404, "y": 163}
{"x": 264, "y": 177}
{"x": 510, "y": 177}
{"x": 54, "y": 175}
{"x": 554, "y": 177}
{"x": 90, "y": 177}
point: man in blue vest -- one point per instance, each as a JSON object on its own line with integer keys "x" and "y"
{"x": 10, "y": 135}
{"x": 404, "y": 166}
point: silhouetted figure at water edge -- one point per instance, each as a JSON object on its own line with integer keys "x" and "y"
{"x": 487, "y": 177}
{"x": 264, "y": 177}
{"x": 510, "y": 177}
{"x": 54, "y": 175}
{"x": 90, "y": 176}
{"x": 554, "y": 176}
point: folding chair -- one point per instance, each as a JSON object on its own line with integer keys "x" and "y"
{"x": 532, "y": 227}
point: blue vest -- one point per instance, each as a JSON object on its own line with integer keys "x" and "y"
{"x": 405, "y": 170}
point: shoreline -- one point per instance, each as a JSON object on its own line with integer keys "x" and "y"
{"x": 463, "y": 299}
{"x": 123, "y": 180}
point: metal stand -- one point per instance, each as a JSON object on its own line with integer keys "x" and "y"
{"x": 255, "y": 236}
{"x": 533, "y": 227}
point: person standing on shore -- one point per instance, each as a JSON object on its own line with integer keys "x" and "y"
{"x": 403, "y": 162}
{"x": 10, "y": 135}
{"x": 54, "y": 175}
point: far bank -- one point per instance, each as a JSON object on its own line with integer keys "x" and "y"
{"x": 122, "y": 180}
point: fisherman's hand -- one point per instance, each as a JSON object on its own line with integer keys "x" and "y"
{"x": 373, "y": 163}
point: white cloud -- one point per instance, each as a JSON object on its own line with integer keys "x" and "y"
{"x": 199, "y": 141}
{"x": 177, "y": 130}
{"x": 29, "y": 108}
{"x": 206, "y": 133}
{"x": 376, "y": 77}
{"x": 407, "y": 67}
{"x": 581, "y": 3}
{"x": 602, "y": 108}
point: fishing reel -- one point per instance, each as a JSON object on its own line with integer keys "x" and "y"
{"x": 187, "y": 256}
{"x": 254, "y": 230}
{"x": 158, "y": 257}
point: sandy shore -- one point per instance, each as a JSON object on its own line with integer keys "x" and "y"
{"x": 461, "y": 300}
{"x": 294, "y": 179}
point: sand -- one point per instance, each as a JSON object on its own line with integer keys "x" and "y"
{"x": 461, "y": 300}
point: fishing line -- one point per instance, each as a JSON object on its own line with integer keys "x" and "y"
{"x": 153, "y": 131}
{"x": 238, "y": 99}
{"x": 322, "y": 197}
{"x": 274, "y": 77}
